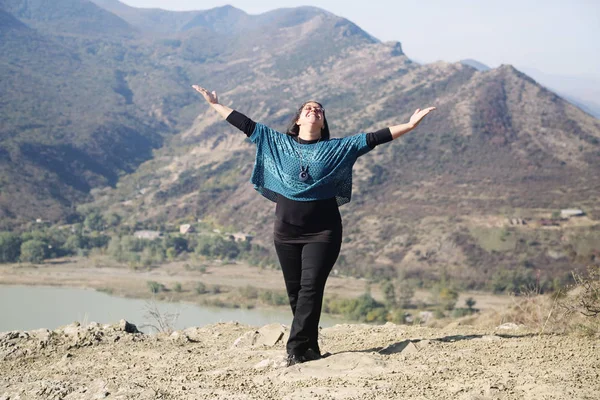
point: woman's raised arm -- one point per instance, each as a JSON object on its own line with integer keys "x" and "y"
{"x": 212, "y": 99}
{"x": 415, "y": 119}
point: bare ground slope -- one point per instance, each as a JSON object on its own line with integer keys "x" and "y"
{"x": 210, "y": 363}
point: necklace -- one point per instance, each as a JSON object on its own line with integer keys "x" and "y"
{"x": 304, "y": 175}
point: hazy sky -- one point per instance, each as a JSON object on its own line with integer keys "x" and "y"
{"x": 554, "y": 36}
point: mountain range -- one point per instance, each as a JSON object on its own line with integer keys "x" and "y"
{"x": 97, "y": 108}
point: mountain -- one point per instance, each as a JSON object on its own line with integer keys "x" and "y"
{"x": 68, "y": 119}
{"x": 582, "y": 91}
{"x": 475, "y": 64}
{"x": 112, "y": 119}
{"x": 67, "y": 17}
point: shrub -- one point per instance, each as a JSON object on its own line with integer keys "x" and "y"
{"x": 470, "y": 303}
{"x": 156, "y": 287}
{"x": 361, "y": 308}
{"x": 389, "y": 293}
{"x": 10, "y": 247}
{"x": 586, "y": 298}
{"x": 273, "y": 298}
{"x": 249, "y": 292}
{"x": 404, "y": 292}
{"x": 201, "y": 288}
{"x": 33, "y": 251}
{"x": 94, "y": 221}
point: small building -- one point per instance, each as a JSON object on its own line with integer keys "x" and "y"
{"x": 568, "y": 213}
{"x": 241, "y": 237}
{"x": 549, "y": 222}
{"x": 186, "y": 228}
{"x": 148, "y": 235}
{"x": 517, "y": 221}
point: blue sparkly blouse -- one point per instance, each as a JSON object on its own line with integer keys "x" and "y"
{"x": 279, "y": 160}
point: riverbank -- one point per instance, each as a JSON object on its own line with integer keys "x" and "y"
{"x": 233, "y": 285}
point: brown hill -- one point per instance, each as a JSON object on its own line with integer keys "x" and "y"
{"x": 498, "y": 144}
{"x": 436, "y": 202}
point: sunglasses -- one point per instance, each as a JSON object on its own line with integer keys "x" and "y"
{"x": 316, "y": 109}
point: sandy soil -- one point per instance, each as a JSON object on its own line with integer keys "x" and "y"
{"x": 231, "y": 361}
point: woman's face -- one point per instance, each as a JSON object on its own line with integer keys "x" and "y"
{"x": 312, "y": 114}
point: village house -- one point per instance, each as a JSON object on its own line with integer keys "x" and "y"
{"x": 568, "y": 213}
{"x": 241, "y": 237}
{"x": 148, "y": 235}
{"x": 186, "y": 228}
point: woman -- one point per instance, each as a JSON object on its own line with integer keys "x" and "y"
{"x": 309, "y": 175}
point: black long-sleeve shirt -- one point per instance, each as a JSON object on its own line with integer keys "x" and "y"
{"x": 247, "y": 126}
{"x": 306, "y": 221}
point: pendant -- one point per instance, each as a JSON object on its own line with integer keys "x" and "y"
{"x": 303, "y": 174}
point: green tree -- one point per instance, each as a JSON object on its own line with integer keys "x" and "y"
{"x": 113, "y": 219}
{"x": 201, "y": 288}
{"x": 33, "y": 251}
{"x": 156, "y": 287}
{"x": 404, "y": 292}
{"x": 447, "y": 298}
{"x": 74, "y": 243}
{"x": 389, "y": 293}
{"x": 178, "y": 243}
{"x": 94, "y": 221}
{"x": 470, "y": 303}
{"x": 171, "y": 253}
{"x": 10, "y": 247}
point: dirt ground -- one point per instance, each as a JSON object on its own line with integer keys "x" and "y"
{"x": 231, "y": 361}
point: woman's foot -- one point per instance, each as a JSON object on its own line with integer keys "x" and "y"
{"x": 293, "y": 359}
{"x": 309, "y": 355}
{"x": 312, "y": 355}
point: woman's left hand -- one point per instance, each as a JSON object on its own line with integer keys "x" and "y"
{"x": 418, "y": 115}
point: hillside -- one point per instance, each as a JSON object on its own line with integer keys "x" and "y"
{"x": 446, "y": 187}
{"x": 99, "y": 108}
{"x": 91, "y": 96}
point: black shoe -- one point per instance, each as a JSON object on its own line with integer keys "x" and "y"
{"x": 312, "y": 355}
{"x": 293, "y": 359}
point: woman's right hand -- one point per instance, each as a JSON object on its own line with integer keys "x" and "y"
{"x": 210, "y": 97}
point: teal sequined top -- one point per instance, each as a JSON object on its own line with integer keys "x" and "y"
{"x": 279, "y": 159}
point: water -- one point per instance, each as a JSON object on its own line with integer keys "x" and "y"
{"x": 34, "y": 307}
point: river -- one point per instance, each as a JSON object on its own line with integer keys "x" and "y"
{"x": 34, "y": 307}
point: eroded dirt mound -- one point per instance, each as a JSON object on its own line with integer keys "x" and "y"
{"x": 233, "y": 361}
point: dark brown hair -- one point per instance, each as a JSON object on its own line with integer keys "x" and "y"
{"x": 293, "y": 129}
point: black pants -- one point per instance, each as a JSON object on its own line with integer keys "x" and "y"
{"x": 306, "y": 267}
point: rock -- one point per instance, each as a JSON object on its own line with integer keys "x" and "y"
{"x": 72, "y": 330}
{"x": 263, "y": 364}
{"x": 246, "y": 340}
{"x": 179, "y": 336}
{"x": 269, "y": 335}
{"x": 43, "y": 335}
{"x": 404, "y": 347}
{"x": 490, "y": 338}
{"x": 508, "y": 326}
{"x": 9, "y": 335}
{"x": 128, "y": 327}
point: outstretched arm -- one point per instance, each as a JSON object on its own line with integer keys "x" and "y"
{"x": 235, "y": 118}
{"x": 415, "y": 119}
{"x": 212, "y": 99}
